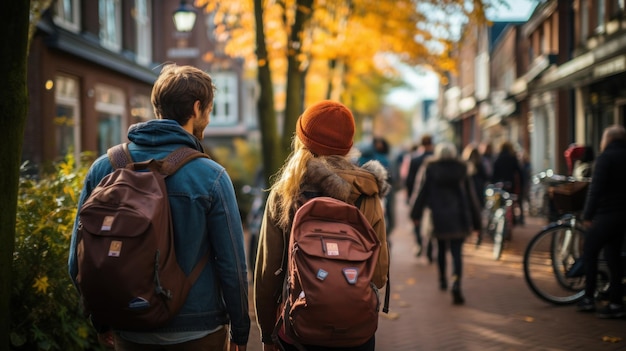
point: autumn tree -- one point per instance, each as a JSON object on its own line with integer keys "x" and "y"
{"x": 307, "y": 50}
{"x": 18, "y": 18}
{"x": 14, "y": 19}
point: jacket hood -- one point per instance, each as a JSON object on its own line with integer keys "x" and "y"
{"x": 158, "y": 132}
{"x": 337, "y": 177}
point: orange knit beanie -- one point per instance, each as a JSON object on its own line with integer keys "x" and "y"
{"x": 326, "y": 128}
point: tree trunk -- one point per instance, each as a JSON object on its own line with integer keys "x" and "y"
{"x": 295, "y": 74}
{"x": 272, "y": 159}
{"x": 14, "y": 20}
{"x": 331, "y": 73}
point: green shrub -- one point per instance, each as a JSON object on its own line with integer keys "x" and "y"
{"x": 45, "y": 309}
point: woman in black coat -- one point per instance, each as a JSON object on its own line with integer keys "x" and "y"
{"x": 445, "y": 187}
{"x": 507, "y": 169}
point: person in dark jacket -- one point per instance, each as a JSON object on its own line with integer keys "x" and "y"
{"x": 507, "y": 169}
{"x": 425, "y": 150}
{"x": 444, "y": 187}
{"x": 603, "y": 215}
{"x": 477, "y": 171}
{"x": 379, "y": 151}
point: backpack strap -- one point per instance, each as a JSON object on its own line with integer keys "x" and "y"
{"x": 119, "y": 156}
{"x": 177, "y": 158}
{"x": 358, "y": 203}
{"x": 387, "y": 290}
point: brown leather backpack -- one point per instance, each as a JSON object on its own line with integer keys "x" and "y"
{"x": 128, "y": 275}
{"x": 329, "y": 298}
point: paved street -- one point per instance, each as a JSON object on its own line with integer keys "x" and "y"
{"x": 500, "y": 312}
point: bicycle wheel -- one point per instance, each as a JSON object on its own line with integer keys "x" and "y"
{"x": 498, "y": 234}
{"x": 549, "y": 265}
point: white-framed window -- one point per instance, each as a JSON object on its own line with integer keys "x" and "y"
{"x": 143, "y": 13}
{"x": 225, "y": 105}
{"x": 67, "y": 118}
{"x": 67, "y": 14}
{"x": 110, "y": 102}
{"x": 110, "y": 15}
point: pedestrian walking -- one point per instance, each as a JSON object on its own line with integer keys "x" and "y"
{"x": 205, "y": 218}
{"x": 603, "y": 215}
{"x": 488, "y": 157}
{"x": 523, "y": 201}
{"x": 422, "y": 234}
{"x": 379, "y": 151}
{"x": 444, "y": 186}
{"x": 476, "y": 170}
{"x": 319, "y": 165}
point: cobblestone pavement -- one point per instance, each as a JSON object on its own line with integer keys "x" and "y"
{"x": 500, "y": 312}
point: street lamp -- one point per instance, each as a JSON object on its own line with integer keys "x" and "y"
{"x": 184, "y": 17}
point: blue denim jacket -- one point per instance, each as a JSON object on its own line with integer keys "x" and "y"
{"x": 205, "y": 217}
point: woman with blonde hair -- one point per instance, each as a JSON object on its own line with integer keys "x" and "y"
{"x": 476, "y": 170}
{"x": 319, "y": 165}
{"x": 446, "y": 189}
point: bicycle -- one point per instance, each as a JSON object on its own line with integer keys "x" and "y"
{"x": 553, "y": 266}
{"x": 539, "y": 200}
{"x": 500, "y": 217}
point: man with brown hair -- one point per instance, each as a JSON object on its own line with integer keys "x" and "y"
{"x": 205, "y": 217}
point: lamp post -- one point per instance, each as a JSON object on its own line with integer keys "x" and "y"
{"x": 184, "y": 17}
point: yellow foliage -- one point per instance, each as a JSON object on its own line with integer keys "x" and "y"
{"x": 41, "y": 284}
{"x": 83, "y": 332}
{"x": 351, "y": 33}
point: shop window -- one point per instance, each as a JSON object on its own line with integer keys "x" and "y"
{"x": 67, "y": 14}
{"x": 225, "y": 112}
{"x": 67, "y": 119}
{"x": 143, "y": 13}
{"x": 110, "y": 109}
{"x": 110, "y": 14}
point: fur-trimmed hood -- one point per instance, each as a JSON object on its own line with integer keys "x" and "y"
{"x": 337, "y": 177}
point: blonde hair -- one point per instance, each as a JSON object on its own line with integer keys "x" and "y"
{"x": 472, "y": 157}
{"x": 286, "y": 188}
{"x": 471, "y": 153}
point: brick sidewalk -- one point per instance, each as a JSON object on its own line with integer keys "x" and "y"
{"x": 500, "y": 312}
